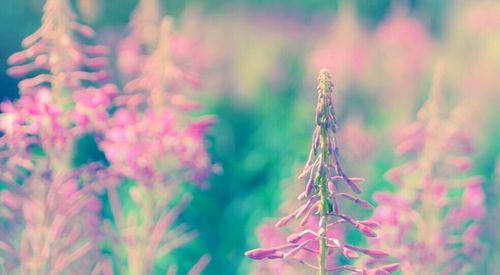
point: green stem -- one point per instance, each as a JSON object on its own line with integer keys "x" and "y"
{"x": 323, "y": 180}
{"x": 323, "y": 249}
{"x": 139, "y": 260}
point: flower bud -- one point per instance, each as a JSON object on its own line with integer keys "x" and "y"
{"x": 370, "y": 223}
{"x": 367, "y": 231}
{"x": 309, "y": 186}
{"x": 389, "y": 268}
{"x": 284, "y": 221}
{"x": 349, "y": 253}
{"x": 357, "y": 200}
{"x": 375, "y": 253}
{"x": 293, "y": 238}
{"x": 260, "y": 253}
{"x": 331, "y": 187}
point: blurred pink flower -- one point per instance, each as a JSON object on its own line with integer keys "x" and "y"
{"x": 407, "y": 38}
{"x": 344, "y": 52}
{"x": 422, "y": 220}
{"x": 402, "y": 50}
{"x": 152, "y": 139}
{"x": 52, "y": 216}
{"x": 473, "y": 200}
{"x": 358, "y": 143}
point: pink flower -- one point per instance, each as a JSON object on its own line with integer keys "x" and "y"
{"x": 419, "y": 221}
{"x": 396, "y": 212}
{"x": 473, "y": 199}
{"x": 319, "y": 238}
{"x": 141, "y": 145}
{"x": 357, "y": 140}
{"x": 91, "y": 108}
{"x": 51, "y": 229}
{"x": 344, "y": 52}
{"x": 407, "y": 38}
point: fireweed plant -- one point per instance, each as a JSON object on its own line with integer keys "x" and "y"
{"x": 153, "y": 143}
{"x": 141, "y": 40}
{"x": 432, "y": 222}
{"x": 323, "y": 175}
{"x": 50, "y": 219}
{"x": 49, "y": 209}
{"x": 144, "y": 37}
{"x": 268, "y": 236}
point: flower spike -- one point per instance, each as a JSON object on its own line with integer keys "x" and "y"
{"x": 323, "y": 175}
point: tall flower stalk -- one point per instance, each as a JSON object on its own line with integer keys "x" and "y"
{"x": 146, "y": 35}
{"x": 152, "y": 141}
{"x": 325, "y": 181}
{"x": 141, "y": 40}
{"x": 431, "y": 223}
{"x": 51, "y": 206}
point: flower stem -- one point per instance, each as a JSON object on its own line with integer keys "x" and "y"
{"x": 323, "y": 211}
{"x": 323, "y": 185}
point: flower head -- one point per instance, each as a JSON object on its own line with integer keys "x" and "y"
{"x": 325, "y": 181}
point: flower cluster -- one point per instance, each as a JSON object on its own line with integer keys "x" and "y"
{"x": 343, "y": 52}
{"x": 152, "y": 140}
{"x": 431, "y": 223}
{"x": 51, "y": 207}
{"x": 396, "y": 61}
{"x": 150, "y": 148}
{"x": 148, "y": 32}
{"x": 150, "y": 136}
{"x": 324, "y": 176}
{"x": 61, "y": 98}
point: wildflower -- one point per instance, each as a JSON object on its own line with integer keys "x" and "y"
{"x": 344, "y": 53}
{"x": 423, "y": 222}
{"x": 402, "y": 51}
{"x": 322, "y": 167}
{"x": 151, "y": 141}
{"x": 140, "y": 137}
{"x": 53, "y": 215}
{"x": 148, "y": 31}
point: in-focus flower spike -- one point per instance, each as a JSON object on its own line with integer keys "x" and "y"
{"x": 425, "y": 224}
{"x": 323, "y": 175}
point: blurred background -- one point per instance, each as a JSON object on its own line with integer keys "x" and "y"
{"x": 260, "y": 63}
